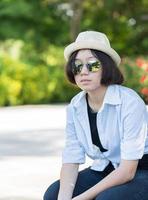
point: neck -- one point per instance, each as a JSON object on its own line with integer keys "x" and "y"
{"x": 95, "y": 98}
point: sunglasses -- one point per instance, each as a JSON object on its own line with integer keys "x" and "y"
{"x": 92, "y": 66}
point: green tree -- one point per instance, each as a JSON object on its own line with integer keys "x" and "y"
{"x": 35, "y": 32}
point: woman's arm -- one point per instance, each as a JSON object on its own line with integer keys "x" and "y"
{"x": 68, "y": 177}
{"x": 124, "y": 173}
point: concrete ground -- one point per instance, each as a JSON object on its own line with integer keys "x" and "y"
{"x": 31, "y": 140}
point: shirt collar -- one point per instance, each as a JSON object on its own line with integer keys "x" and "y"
{"x": 112, "y": 96}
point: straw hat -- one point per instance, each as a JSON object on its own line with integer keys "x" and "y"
{"x": 92, "y": 40}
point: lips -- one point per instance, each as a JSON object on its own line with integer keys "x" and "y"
{"x": 85, "y": 81}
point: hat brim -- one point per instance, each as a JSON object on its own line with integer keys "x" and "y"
{"x": 91, "y": 45}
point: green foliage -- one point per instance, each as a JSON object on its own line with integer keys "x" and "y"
{"x": 43, "y": 22}
{"x": 21, "y": 83}
{"x": 34, "y": 33}
{"x": 125, "y": 23}
{"x": 135, "y": 71}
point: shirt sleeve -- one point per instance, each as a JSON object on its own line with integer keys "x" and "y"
{"x": 135, "y": 129}
{"x": 73, "y": 152}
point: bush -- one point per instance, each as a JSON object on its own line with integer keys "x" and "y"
{"x": 23, "y": 83}
{"x": 135, "y": 71}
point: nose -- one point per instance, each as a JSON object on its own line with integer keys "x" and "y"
{"x": 84, "y": 70}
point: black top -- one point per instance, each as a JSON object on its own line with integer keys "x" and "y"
{"x": 93, "y": 127}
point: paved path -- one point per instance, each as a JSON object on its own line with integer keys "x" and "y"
{"x": 31, "y": 139}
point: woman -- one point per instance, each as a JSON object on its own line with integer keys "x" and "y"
{"x": 106, "y": 121}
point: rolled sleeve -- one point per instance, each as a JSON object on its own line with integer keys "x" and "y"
{"x": 73, "y": 152}
{"x": 135, "y": 131}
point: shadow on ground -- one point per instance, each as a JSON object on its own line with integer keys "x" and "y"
{"x": 32, "y": 143}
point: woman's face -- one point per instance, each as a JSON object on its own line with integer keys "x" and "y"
{"x": 87, "y": 80}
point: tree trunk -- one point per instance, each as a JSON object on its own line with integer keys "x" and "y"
{"x": 77, "y": 8}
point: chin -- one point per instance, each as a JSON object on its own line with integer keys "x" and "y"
{"x": 88, "y": 89}
{"x": 91, "y": 89}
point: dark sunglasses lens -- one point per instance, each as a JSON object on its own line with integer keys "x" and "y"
{"x": 94, "y": 66}
{"x": 77, "y": 67}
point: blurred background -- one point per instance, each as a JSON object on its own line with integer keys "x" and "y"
{"x": 33, "y": 34}
{"x": 34, "y": 91}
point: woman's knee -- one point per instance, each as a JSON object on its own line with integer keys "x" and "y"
{"x": 52, "y": 191}
{"x": 106, "y": 195}
{"x": 121, "y": 192}
{"x": 115, "y": 193}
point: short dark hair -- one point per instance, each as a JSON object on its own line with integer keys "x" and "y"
{"x": 110, "y": 72}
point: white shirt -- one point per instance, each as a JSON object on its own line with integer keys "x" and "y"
{"x": 122, "y": 124}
